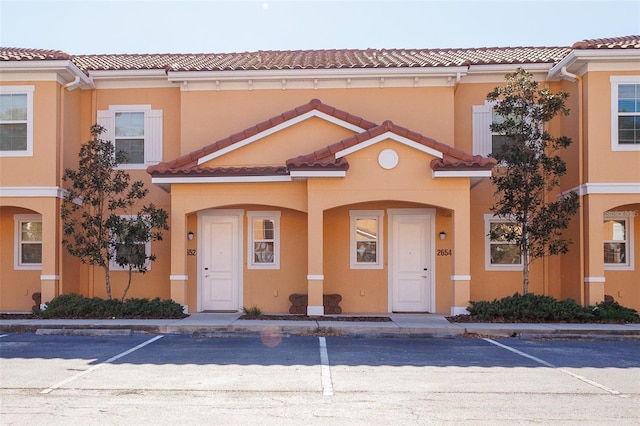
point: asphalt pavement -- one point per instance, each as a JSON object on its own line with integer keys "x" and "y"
{"x": 400, "y": 325}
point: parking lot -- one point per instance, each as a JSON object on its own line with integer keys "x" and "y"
{"x": 275, "y": 379}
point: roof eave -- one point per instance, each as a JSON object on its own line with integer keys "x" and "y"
{"x": 66, "y": 69}
{"x": 574, "y": 61}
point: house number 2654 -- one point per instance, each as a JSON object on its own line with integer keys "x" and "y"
{"x": 444, "y": 252}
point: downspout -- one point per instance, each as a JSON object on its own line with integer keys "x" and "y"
{"x": 581, "y": 178}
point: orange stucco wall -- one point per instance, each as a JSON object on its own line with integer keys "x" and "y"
{"x": 195, "y": 118}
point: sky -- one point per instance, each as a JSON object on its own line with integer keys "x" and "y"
{"x": 219, "y": 26}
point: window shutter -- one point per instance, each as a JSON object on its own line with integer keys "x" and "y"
{"x": 106, "y": 119}
{"x": 482, "y": 129}
{"x": 153, "y": 137}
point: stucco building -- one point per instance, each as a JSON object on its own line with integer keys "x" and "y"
{"x": 362, "y": 173}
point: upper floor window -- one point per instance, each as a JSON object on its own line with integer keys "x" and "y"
{"x": 485, "y": 141}
{"x": 366, "y": 239}
{"x": 501, "y": 253}
{"x": 264, "y": 240}
{"x": 28, "y": 241}
{"x": 625, "y": 113}
{"x": 135, "y": 130}
{"x": 617, "y": 239}
{"x": 16, "y": 121}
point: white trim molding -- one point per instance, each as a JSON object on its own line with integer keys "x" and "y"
{"x": 315, "y": 277}
{"x": 49, "y": 277}
{"x": 617, "y": 80}
{"x": 227, "y": 179}
{"x": 605, "y": 188}
{"x": 26, "y": 91}
{"x": 595, "y": 279}
{"x": 315, "y": 310}
{"x": 275, "y": 129}
{"x": 32, "y": 191}
{"x": 459, "y": 310}
{"x": 462, "y": 173}
{"x": 389, "y": 135}
{"x": 460, "y": 277}
{"x": 178, "y": 277}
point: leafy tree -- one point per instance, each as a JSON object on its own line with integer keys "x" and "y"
{"x": 101, "y": 217}
{"x": 529, "y": 169}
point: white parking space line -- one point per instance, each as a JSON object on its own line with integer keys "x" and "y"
{"x": 562, "y": 370}
{"x": 95, "y": 367}
{"x": 327, "y": 384}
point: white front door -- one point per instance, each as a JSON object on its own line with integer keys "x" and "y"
{"x": 220, "y": 263}
{"x": 411, "y": 273}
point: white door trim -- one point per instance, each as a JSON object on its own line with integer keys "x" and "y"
{"x": 239, "y": 213}
{"x": 430, "y": 215}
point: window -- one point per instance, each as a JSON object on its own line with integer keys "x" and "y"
{"x": 625, "y": 113}
{"x": 129, "y": 136}
{"x": 486, "y": 142}
{"x": 366, "y": 239}
{"x": 501, "y": 254}
{"x": 617, "y": 238}
{"x": 28, "y": 241}
{"x": 137, "y": 253}
{"x": 264, "y": 240}
{"x": 16, "y": 121}
{"x": 137, "y": 131}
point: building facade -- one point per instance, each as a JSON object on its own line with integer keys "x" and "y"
{"x": 363, "y": 173}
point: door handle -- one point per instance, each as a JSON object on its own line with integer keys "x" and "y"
{"x": 425, "y": 269}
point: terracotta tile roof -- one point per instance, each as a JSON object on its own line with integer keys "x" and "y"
{"x": 188, "y": 163}
{"x": 453, "y": 158}
{"x": 626, "y": 42}
{"x": 323, "y": 59}
{"x": 320, "y": 59}
{"x": 323, "y": 159}
{"x": 20, "y": 54}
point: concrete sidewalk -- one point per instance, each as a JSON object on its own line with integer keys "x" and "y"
{"x": 401, "y": 325}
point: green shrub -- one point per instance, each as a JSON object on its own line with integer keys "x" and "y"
{"x": 538, "y": 308}
{"x": 612, "y": 311}
{"x": 76, "y": 306}
{"x": 253, "y": 312}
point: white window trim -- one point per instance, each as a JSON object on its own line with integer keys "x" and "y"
{"x": 616, "y": 80}
{"x": 18, "y": 220}
{"x": 266, "y": 215}
{"x": 113, "y": 265}
{"x": 630, "y": 253}
{"x": 152, "y": 132}
{"x": 365, "y": 214}
{"x": 25, "y": 90}
{"x": 488, "y": 266}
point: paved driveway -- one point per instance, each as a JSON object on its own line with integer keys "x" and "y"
{"x": 165, "y": 379}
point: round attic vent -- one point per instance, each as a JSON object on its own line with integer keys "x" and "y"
{"x": 388, "y": 159}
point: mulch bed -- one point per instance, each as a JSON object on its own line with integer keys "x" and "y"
{"x": 6, "y": 316}
{"x": 314, "y": 318}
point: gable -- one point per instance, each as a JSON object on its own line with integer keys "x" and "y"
{"x": 275, "y": 146}
{"x": 268, "y": 150}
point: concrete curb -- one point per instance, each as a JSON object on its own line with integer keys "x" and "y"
{"x": 414, "y": 327}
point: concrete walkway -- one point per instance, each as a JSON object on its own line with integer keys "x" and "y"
{"x": 401, "y": 325}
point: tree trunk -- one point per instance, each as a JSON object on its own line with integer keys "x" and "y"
{"x": 525, "y": 271}
{"x": 107, "y": 281}
{"x": 126, "y": 289}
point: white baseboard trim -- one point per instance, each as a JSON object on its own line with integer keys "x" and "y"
{"x": 315, "y": 310}
{"x": 459, "y": 310}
